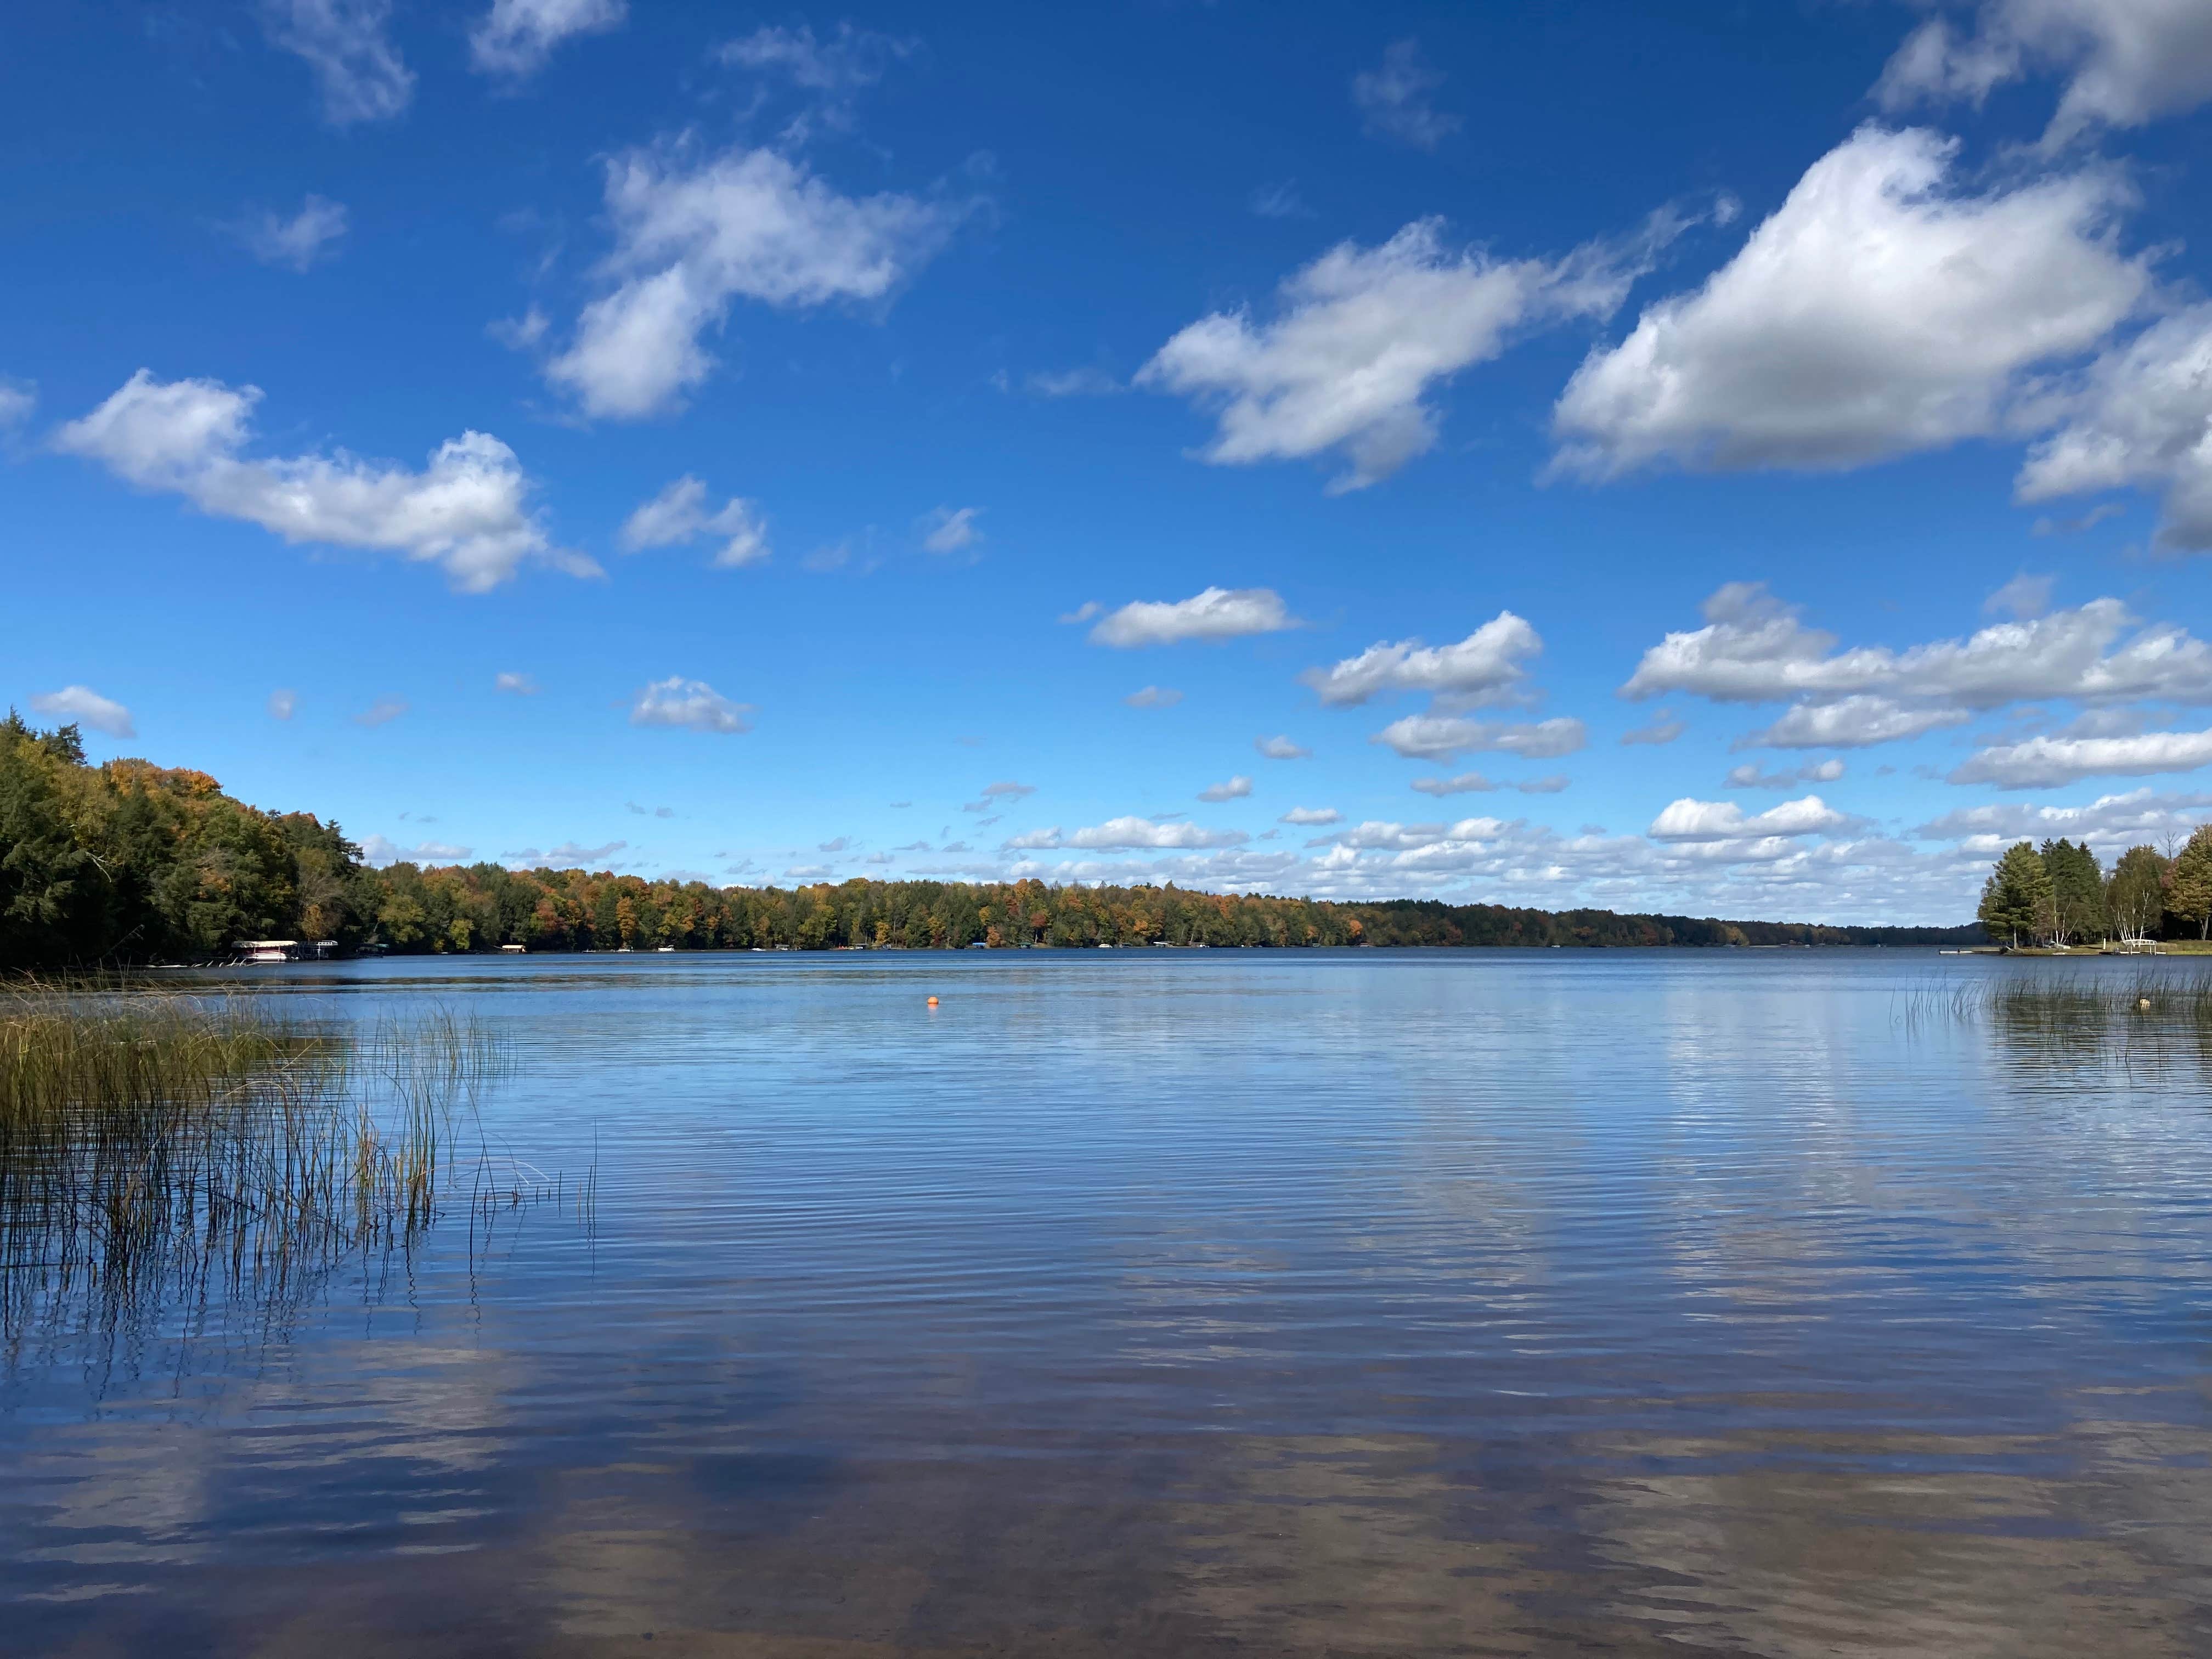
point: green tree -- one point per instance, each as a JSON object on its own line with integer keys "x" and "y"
{"x": 2188, "y": 882}
{"x": 2017, "y": 896}
{"x": 2135, "y": 896}
{"x": 2077, "y": 893}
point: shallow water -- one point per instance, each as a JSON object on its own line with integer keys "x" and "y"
{"x": 1166, "y": 1302}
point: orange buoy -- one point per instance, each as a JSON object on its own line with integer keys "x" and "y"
{"x": 932, "y": 1002}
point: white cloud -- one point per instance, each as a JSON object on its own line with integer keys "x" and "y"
{"x": 1307, "y": 816}
{"x": 80, "y": 705}
{"x": 380, "y": 851}
{"x": 1723, "y": 820}
{"x": 1394, "y": 98}
{"x": 2140, "y": 416}
{"x": 283, "y": 703}
{"x": 521, "y": 686}
{"x": 1217, "y": 613}
{"x": 468, "y": 511}
{"x": 844, "y": 63}
{"x": 382, "y": 712}
{"x": 516, "y": 37}
{"x": 1551, "y": 784}
{"x": 1236, "y": 789}
{"x": 691, "y": 235}
{"x": 520, "y": 333}
{"x": 1754, "y": 648}
{"x": 1486, "y": 666}
{"x": 1153, "y": 696}
{"x": 1117, "y": 834}
{"x": 567, "y": 855}
{"x": 692, "y": 705}
{"x": 2024, "y": 597}
{"x": 309, "y": 235}
{"x": 811, "y": 871}
{"x": 2129, "y": 61}
{"x": 18, "y": 400}
{"x": 1467, "y": 783}
{"x": 1878, "y": 311}
{"x": 1662, "y": 728}
{"x": 1855, "y": 722}
{"x": 1361, "y": 336}
{"x": 952, "y": 530}
{"x": 2049, "y": 761}
{"x": 1441, "y": 737}
{"x": 1751, "y": 775}
{"x": 2110, "y": 821}
{"x": 678, "y": 516}
{"x": 1073, "y": 383}
{"x": 348, "y": 45}
{"x": 1280, "y": 748}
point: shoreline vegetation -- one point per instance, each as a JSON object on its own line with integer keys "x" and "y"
{"x": 2058, "y": 900}
{"x": 158, "y": 1150}
{"x": 128, "y": 864}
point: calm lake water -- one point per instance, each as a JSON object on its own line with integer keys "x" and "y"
{"x": 1182, "y": 1303}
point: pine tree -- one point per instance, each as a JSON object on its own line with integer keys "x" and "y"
{"x": 2077, "y": 901}
{"x": 2018, "y": 897}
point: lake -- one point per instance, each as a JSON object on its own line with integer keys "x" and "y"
{"x": 1181, "y": 1303}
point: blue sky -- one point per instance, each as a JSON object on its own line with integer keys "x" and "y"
{"x": 1748, "y": 461}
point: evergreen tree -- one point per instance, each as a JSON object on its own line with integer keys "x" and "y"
{"x": 2077, "y": 901}
{"x": 2017, "y": 899}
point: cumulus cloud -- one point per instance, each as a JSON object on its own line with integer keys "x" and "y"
{"x": 516, "y": 37}
{"x": 80, "y": 705}
{"x": 2024, "y": 597}
{"x": 348, "y": 45}
{"x": 1394, "y": 98}
{"x": 1878, "y": 311}
{"x": 2128, "y": 62}
{"x": 1754, "y": 648}
{"x": 299, "y": 241}
{"x": 1442, "y": 737}
{"x": 1486, "y": 666}
{"x": 2111, "y": 821}
{"x": 1662, "y": 728}
{"x": 381, "y": 851}
{"x": 2044, "y": 762}
{"x": 1307, "y": 816}
{"x": 382, "y": 712}
{"x": 1280, "y": 748}
{"x": 1217, "y": 613}
{"x": 691, "y": 705}
{"x": 1153, "y": 696}
{"x": 1723, "y": 820}
{"x": 1236, "y": 789}
{"x": 521, "y": 686}
{"x": 952, "y": 530}
{"x": 467, "y": 511}
{"x": 283, "y": 703}
{"x": 678, "y": 516}
{"x": 18, "y": 400}
{"x": 692, "y": 235}
{"x": 1362, "y": 336}
{"x": 1117, "y": 834}
{"x": 2140, "y": 416}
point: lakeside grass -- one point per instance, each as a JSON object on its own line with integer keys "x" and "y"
{"x": 158, "y": 1148}
{"x": 2153, "y": 1019}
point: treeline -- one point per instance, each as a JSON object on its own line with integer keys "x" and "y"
{"x": 2058, "y": 894}
{"x": 129, "y": 862}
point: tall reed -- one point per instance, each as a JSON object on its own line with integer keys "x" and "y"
{"x": 158, "y": 1149}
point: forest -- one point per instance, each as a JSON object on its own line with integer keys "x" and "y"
{"x": 2058, "y": 895}
{"x": 127, "y": 862}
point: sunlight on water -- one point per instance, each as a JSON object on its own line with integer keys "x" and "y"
{"x": 1785, "y": 1303}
